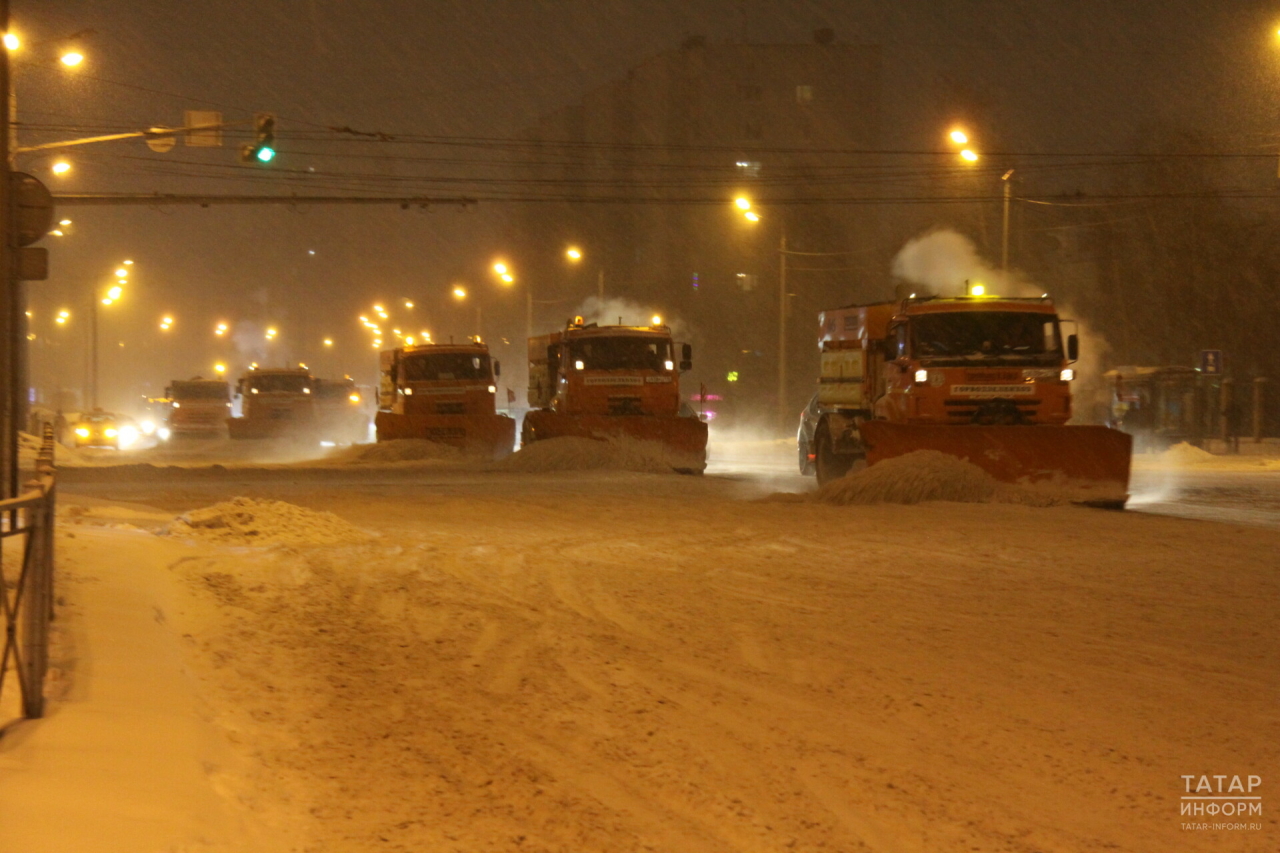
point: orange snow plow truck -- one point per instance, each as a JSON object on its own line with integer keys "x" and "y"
{"x": 443, "y": 393}
{"x": 597, "y": 381}
{"x": 983, "y": 378}
{"x": 273, "y": 402}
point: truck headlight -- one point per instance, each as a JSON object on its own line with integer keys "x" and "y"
{"x": 177, "y": 405}
{"x": 355, "y": 398}
{"x": 493, "y": 389}
{"x": 669, "y": 365}
{"x": 1067, "y": 374}
{"x": 83, "y": 432}
{"x": 578, "y": 365}
{"x": 110, "y": 432}
{"x": 922, "y": 376}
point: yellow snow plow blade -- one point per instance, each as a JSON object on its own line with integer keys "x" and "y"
{"x": 685, "y": 439}
{"x": 1091, "y": 460}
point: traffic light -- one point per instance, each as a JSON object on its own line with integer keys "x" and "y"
{"x": 263, "y": 147}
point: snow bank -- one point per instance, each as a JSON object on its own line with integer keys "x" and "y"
{"x": 248, "y": 521}
{"x": 930, "y": 475}
{"x": 396, "y": 450}
{"x": 617, "y": 453}
{"x": 924, "y": 475}
{"x": 1186, "y": 454}
{"x": 29, "y": 446}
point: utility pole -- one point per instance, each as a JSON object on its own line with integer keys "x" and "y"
{"x": 783, "y": 414}
{"x": 10, "y": 388}
{"x": 1004, "y": 233}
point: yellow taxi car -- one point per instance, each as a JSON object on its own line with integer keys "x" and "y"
{"x": 103, "y": 429}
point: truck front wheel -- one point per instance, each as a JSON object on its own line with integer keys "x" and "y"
{"x": 829, "y": 464}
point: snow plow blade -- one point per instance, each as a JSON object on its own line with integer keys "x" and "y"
{"x": 1092, "y": 461}
{"x": 493, "y": 436}
{"x": 685, "y": 439}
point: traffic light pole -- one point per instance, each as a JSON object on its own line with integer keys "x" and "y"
{"x": 10, "y": 386}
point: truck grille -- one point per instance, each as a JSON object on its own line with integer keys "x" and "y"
{"x": 625, "y": 406}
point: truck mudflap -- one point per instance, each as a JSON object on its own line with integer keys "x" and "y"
{"x": 685, "y": 439}
{"x": 489, "y": 435}
{"x": 1089, "y": 462}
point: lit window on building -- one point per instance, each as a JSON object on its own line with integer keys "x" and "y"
{"x": 748, "y": 168}
{"x": 804, "y": 94}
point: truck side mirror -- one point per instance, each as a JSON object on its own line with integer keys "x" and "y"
{"x": 686, "y": 357}
{"x": 1073, "y": 347}
{"x": 497, "y": 368}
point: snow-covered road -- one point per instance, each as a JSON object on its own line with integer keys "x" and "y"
{"x": 612, "y": 661}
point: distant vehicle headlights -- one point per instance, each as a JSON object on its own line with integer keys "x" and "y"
{"x": 178, "y": 405}
{"x": 83, "y": 432}
{"x": 110, "y": 432}
{"x": 355, "y": 398}
{"x": 1067, "y": 374}
{"x": 128, "y": 435}
{"x": 149, "y": 427}
{"x": 164, "y": 433}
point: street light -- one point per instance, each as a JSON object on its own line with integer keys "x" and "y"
{"x": 573, "y": 253}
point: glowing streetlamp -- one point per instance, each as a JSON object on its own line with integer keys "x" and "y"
{"x": 959, "y": 137}
{"x": 220, "y": 330}
{"x": 573, "y": 253}
{"x": 220, "y": 368}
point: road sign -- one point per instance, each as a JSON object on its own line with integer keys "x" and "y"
{"x": 1211, "y": 362}
{"x": 211, "y": 120}
{"x": 161, "y": 144}
{"x": 33, "y": 208}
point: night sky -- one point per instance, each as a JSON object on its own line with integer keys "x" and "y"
{"x": 1069, "y": 78}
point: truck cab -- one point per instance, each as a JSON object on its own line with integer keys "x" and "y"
{"x": 273, "y": 402}
{"x": 197, "y": 408}
{"x": 443, "y": 393}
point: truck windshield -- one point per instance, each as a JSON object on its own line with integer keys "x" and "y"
{"x": 437, "y": 366}
{"x": 334, "y": 390}
{"x": 269, "y": 383}
{"x": 986, "y": 334}
{"x": 200, "y": 391}
{"x": 621, "y": 353}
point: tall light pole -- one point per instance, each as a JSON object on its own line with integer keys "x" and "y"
{"x": 9, "y": 328}
{"x": 1004, "y": 232}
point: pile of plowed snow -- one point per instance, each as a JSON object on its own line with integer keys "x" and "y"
{"x": 1186, "y": 454}
{"x": 248, "y": 521}
{"x": 930, "y": 475}
{"x": 395, "y": 450}
{"x": 617, "y": 453}
{"x": 29, "y": 447}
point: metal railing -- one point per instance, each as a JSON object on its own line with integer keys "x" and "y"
{"x": 27, "y": 521}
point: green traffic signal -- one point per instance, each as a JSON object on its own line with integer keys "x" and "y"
{"x": 266, "y": 154}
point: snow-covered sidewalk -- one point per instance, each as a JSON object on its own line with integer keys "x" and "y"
{"x": 126, "y": 759}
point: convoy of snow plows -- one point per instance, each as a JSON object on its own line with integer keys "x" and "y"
{"x": 983, "y": 378}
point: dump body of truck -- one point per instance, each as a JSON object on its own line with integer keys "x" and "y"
{"x": 274, "y": 402}
{"x": 443, "y": 393}
{"x": 197, "y": 408}
{"x": 341, "y": 416}
{"x": 599, "y": 381}
{"x": 987, "y": 379}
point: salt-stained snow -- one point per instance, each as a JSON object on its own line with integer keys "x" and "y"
{"x": 247, "y": 521}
